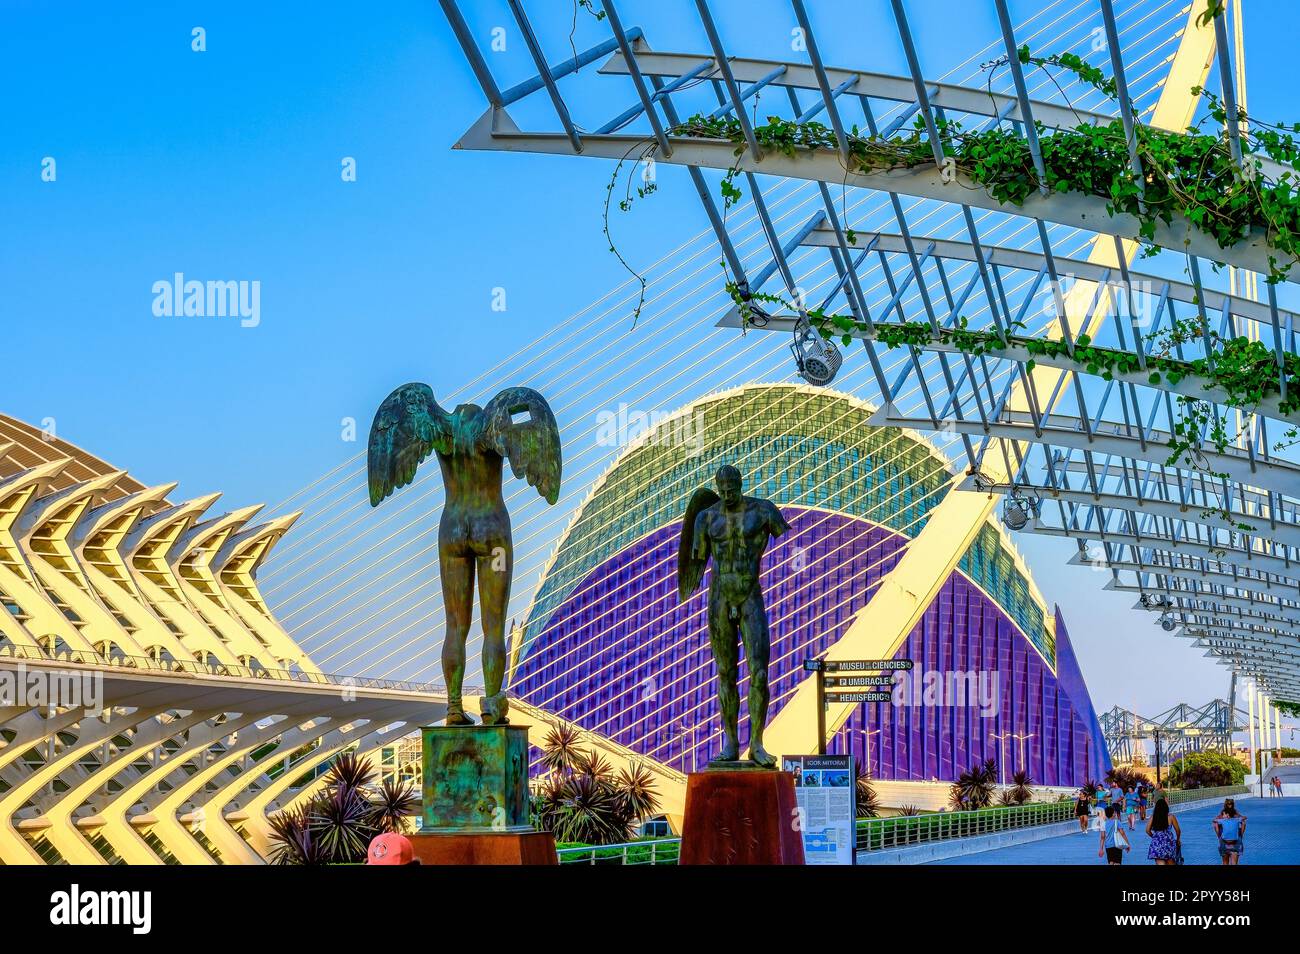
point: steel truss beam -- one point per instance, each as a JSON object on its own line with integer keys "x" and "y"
{"x": 1279, "y": 531}
{"x": 496, "y": 131}
{"x": 1108, "y": 438}
{"x": 1204, "y": 601}
{"x": 1264, "y": 562}
{"x": 1269, "y": 586}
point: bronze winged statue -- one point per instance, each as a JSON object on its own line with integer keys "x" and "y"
{"x": 734, "y": 530}
{"x": 474, "y": 533}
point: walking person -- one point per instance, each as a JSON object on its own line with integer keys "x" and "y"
{"x": 1143, "y": 789}
{"x": 1277, "y": 786}
{"x": 1166, "y": 836}
{"x": 1131, "y": 805}
{"x": 1082, "y": 811}
{"x": 1230, "y": 826}
{"x": 1113, "y": 840}
{"x": 1099, "y": 809}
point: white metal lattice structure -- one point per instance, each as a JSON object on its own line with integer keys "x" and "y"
{"x": 1213, "y": 536}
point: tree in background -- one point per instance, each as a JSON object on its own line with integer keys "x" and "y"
{"x": 1206, "y": 770}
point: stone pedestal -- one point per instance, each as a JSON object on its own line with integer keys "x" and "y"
{"x": 476, "y": 799}
{"x": 485, "y": 848}
{"x": 741, "y": 817}
{"x": 475, "y": 778}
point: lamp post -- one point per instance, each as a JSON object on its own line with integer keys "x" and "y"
{"x": 1002, "y": 762}
{"x": 1022, "y": 739}
{"x": 866, "y": 735}
{"x": 1156, "y": 734}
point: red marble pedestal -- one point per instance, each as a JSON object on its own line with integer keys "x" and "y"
{"x": 485, "y": 848}
{"x": 744, "y": 817}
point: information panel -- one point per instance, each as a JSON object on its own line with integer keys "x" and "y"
{"x": 824, "y": 788}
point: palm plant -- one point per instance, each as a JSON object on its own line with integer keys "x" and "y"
{"x": 581, "y": 799}
{"x": 867, "y": 805}
{"x": 560, "y": 751}
{"x": 393, "y": 802}
{"x": 1089, "y": 788}
{"x": 340, "y": 820}
{"x": 338, "y": 823}
{"x": 350, "y": 771}
{"x": 1021, "y": 789}
{"x": 597, "y": 766}
{"x": 591, "y": 813}
{"x": 909, "y": 811}
{"x": 291, "y": 839}
{"x": 1007, "y": 797}
{"x": 1124, "y": 777}
{"x": 636, "y": 793}
{"x": 974, "y": 788}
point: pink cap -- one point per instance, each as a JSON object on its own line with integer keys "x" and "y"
{"x": 390, "y": 848}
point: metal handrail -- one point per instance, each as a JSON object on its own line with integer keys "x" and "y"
{"x": 875, "y": 834}
{"x": 657, "y": 851}
{"x": 81, "y": 657}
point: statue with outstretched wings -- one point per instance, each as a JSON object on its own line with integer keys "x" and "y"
{"x": 472, "y": 444}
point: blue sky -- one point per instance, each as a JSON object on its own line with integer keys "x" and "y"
{"x": 226, "y": 165}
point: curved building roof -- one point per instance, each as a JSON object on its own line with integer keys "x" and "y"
{"x": 30, "y": 446}
{"x": 608, "y": 645}
{"x": 796, "y": 445}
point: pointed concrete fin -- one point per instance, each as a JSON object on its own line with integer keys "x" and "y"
{"x": 47, "y": 470}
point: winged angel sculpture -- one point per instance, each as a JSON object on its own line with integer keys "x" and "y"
{"x": 474, "y": 534}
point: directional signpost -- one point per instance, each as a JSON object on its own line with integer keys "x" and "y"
{"x": 872, "y": 681}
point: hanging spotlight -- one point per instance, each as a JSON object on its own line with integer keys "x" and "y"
{"x": 817, "y": 359}
{"x": 1018, "y": 509}
{"x": 1014, "y": 515}
{"x": 1168, "y": 623}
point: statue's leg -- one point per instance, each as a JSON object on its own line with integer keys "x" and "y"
{"x": 758, "y": 651}
{"x": 494, "y": 573}
{"x": 457, "y": 572}
{"x": 723, "y": 639}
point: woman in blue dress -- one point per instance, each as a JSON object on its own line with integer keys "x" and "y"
{"x": 1166, "y": 836}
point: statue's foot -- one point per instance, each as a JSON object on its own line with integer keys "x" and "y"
{"x": 759, "y": 756}
{"x": 494, "y": 709}
{"x": 730, "y": 752}
{"x": 457, "y": 717}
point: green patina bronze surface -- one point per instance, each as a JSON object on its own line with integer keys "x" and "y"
{"x": 734, "y": 530}
{"x": 476, "y": 778}
{"x": 474, "y": 533}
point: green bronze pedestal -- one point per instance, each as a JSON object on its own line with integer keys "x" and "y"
{"x": 476, "y": 779}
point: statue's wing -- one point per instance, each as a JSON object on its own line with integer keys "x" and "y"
{"x": 518, "y": 425}
{"x": 690, "y": 569}
{"x": 408, "y": 427}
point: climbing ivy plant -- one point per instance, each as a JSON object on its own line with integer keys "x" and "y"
{"x": 1192, "y": 175}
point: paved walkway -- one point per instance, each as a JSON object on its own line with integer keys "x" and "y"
{"x": 1272, "y": 838}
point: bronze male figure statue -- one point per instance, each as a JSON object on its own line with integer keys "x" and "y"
{"x": 474, "y": 533}
{"x": 734, "y": 529}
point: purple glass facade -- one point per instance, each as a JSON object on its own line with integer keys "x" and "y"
{"x": 619, "y": 656}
